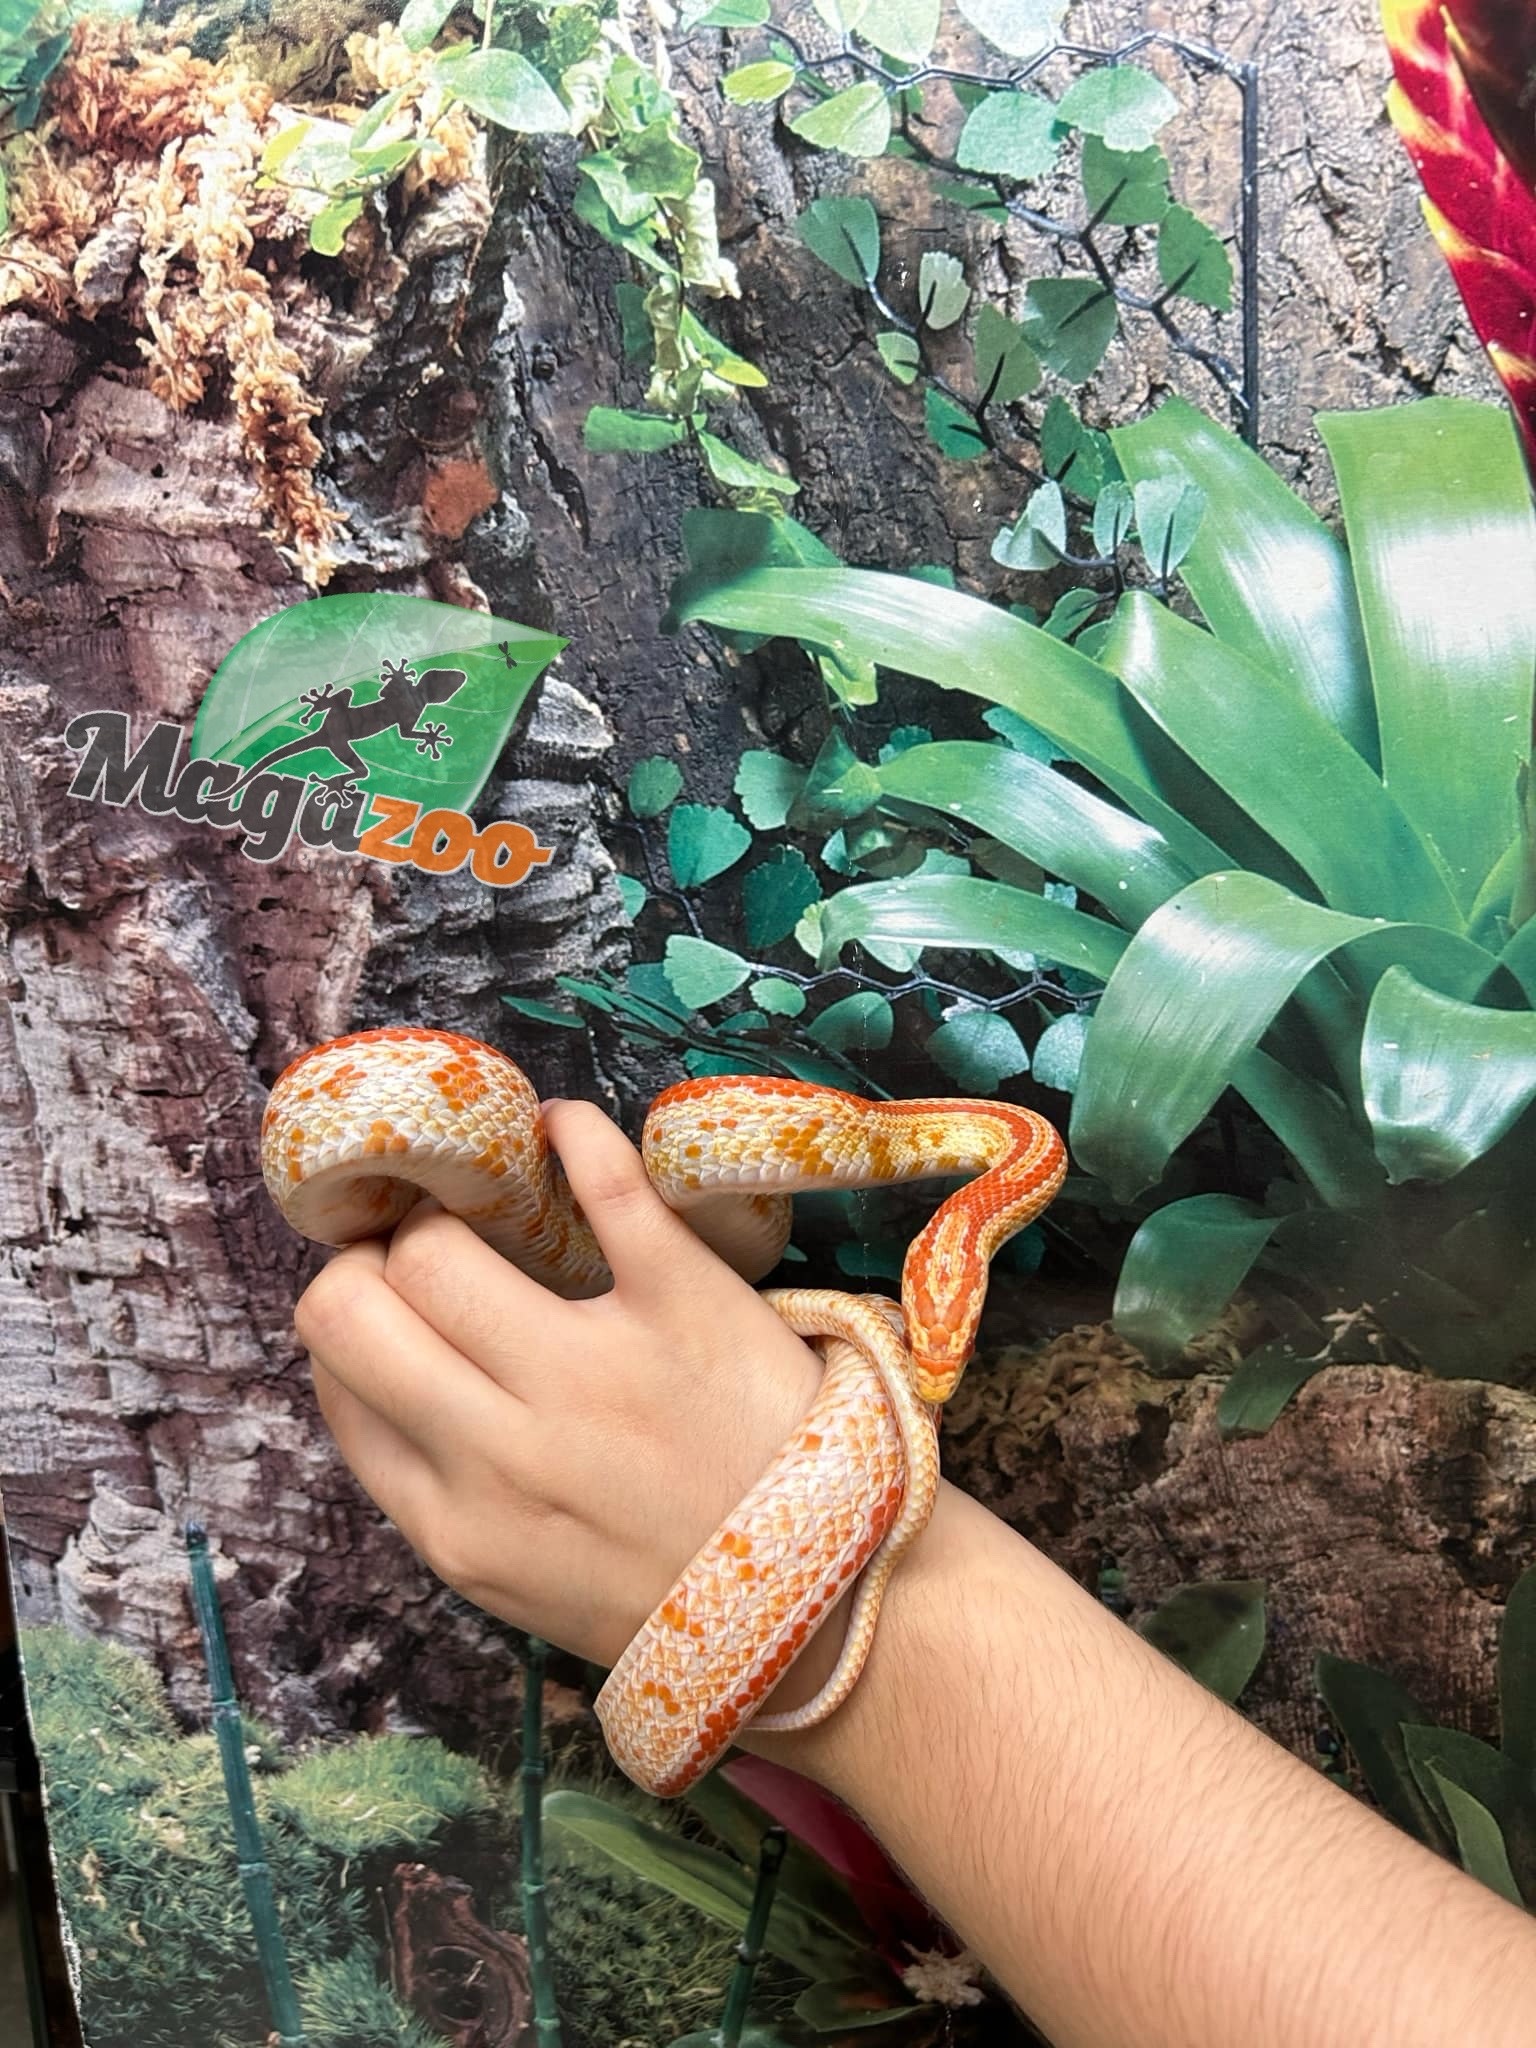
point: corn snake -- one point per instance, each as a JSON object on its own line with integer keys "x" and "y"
{"x": 357, "y": 1130}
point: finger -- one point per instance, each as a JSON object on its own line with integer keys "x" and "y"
{"x": 485, "y": 1307}
{"x": 391, "y": 1470}
{"x": 650, "y": 1249}
{"x": 355, "y": 1325}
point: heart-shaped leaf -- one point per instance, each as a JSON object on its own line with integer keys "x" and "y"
{"x": 470, "y": 676}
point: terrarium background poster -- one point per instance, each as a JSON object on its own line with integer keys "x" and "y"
{"x": 990, "y": 557}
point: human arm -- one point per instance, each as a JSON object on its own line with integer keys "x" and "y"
{"x": 1134, "y": 1862}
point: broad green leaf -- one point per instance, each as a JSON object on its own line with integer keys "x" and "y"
{"x": 1059, "y": 1051}
{"x": 904, "y": 29}
{"x": 1019, "y": 28}
{"x": 544, "y": 1013}
{"x": 979, "y": 1050}
{"x": 977, "y": 199}
{"x": 701, "y": 973}
{"x": 841, "y": 15}
{"x": 653, "y": 784}
{"x": 1235, "y": 721}
{"x": 610, "y": 432}
{"x": 778, "y": 997}
{"x": 421, "y": 21}
{"x": 959, "y": 642}
{"x": 856, "y": 121}
{"x": 1168, "y": 515}
{"x": 503, "y": 87}
{"x": 1009, "y": 134}
{"x": 1442, "y": 541}
{"x": 1114, "y": 515}
{"x": 739, "y": 472}
{"x": 951, "y": 428}
{"x": 1071, "y": 322}
{"x": 1371, "y": 1711}
{"x": 282, "y": 146}
{"x": 472, "y": 676}
{"x": 900, "y": 354}
{"x": 963, "y": 914}
{"x": 632, "y": 894}
{"x": 1080, "y": 458}
{"x": 715, "y": 1884}
{"x": 837, "y": 786}
{"x": 1269, "y": 578}
{"x": 859, "y": 1023}
{"x": 1019, "y": 735}
{"x": 1480, "y": 1841}
{"x": 328, "y": 229}
{"x": 1124, "y": 188}
{"x": 1262, "y": 1386}
{"x": 1122, "y": 104}
{"x": 903, "y": 739}
{"x": 842, "y": 2006}
{"x": 702, "y": 842}
{"x": 1444, "y": 1080}
{"x": 720, "y": 542}
{"x": 1517, "y": 1675}
{"x": 628, "y": 205}
{"x": 1122, "y": 863}
{"x": 1215, "y": 1630}
{"x": 942, "y": 292}
{"x": 1311, "y": 1120}
{"x": 1006, "y": 365}
{"x": 1156, "y": 1061}
{"x": 769, "y": 80}
{"x": 1038, "y": 540}
{"x": 776, "y": 894}
{"x": 1182, "y": 1268}
{"x": 767, "y": 785}
{"x": 845, "y": 234}
{"x": 726, "y": 14}
{"x": 852, "y": 682}
{"x": 1071, "y": 611}
{"x": 1191, "y": 260}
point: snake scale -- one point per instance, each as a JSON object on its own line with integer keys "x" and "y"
{"x": 357, "y": 1130}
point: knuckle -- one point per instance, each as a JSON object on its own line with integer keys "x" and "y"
{"x": 421, "y": 1252}
{"x": 328, "y": 1305}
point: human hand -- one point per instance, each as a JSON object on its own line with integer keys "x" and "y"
{"x": 559, "y": 1462}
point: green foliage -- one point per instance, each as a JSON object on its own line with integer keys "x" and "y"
{"x": 346, "y": 2004}
{"x": 383, "y": 1791}
{"x": 1215, "y": 1630}
{"x": 1461, "y": 1797}
{"x": 1366, "y": 980}
{"x": 34, "y": 36}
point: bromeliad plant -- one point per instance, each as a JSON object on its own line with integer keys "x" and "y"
{"x": 1303, "y": 868}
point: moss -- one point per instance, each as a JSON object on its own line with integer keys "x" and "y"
{"x": 386, "y": 1791}
{"x": 346, "y": 2005}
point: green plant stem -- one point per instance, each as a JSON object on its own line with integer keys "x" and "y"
{"x": 546, "y": 2016}
{"x": 749, "y": 1953}
{"x": 255, "y": 1874}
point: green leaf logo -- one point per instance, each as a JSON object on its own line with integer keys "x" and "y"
{"x": 413, "y": 698}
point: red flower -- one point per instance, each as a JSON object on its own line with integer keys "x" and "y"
{"x": 1461, "y": 72}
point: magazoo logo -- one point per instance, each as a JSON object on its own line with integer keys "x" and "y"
{"x": 318, "y": 723}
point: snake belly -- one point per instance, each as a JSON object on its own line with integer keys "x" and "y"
{"x": 359, "y": 1129}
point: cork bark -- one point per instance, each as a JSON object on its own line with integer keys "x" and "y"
{"x": 155, "y": 981}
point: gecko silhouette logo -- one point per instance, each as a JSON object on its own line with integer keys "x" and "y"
{"x": 322, "y": 724}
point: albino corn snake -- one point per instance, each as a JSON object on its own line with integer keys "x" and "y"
{"x": 358, "y": 1129}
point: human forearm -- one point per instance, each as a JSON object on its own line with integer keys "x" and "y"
{"x": 1135, "y": 1863}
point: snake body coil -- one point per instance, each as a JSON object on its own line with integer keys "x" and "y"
{"x": 359, "y": 1129}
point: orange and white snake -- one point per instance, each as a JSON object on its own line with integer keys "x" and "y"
{"x": 357, "y": 1130}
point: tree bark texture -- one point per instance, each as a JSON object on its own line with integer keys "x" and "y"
{"x": 156, "y": 982}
